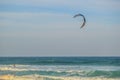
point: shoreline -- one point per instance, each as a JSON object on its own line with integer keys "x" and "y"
{"x": 40, "y": 77}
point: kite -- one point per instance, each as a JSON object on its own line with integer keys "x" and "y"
{"x": 84, "y": 20}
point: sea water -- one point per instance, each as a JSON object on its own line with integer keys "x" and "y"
{"x": 86, "y": 67}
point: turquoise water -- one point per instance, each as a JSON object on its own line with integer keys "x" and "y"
{"x": 61, "y": 66}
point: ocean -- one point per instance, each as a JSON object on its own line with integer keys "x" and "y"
{"x": 61, "y": 68}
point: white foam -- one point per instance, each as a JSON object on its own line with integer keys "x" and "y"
{"x": 41, "y": 77}
{"x": 57, "y": 68}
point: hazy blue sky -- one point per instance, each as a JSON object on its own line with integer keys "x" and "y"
{"x": 47, "y": 28}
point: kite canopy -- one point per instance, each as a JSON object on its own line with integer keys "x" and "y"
{"x": 84, "y": 20}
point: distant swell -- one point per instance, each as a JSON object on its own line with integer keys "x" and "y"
{"x": 61, "y": 60}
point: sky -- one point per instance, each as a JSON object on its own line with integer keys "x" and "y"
{"x": 47, "y": 28}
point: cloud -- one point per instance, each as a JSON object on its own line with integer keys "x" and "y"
{"x": 73, "y": 4}
{"x": 34, "y": 22}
